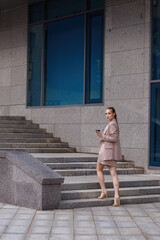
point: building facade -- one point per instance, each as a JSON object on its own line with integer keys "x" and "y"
{"x": 62, "y": 64}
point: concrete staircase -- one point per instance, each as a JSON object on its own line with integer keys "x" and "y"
{"x": 19, "y": 134}
{"x": 81, "y": 187}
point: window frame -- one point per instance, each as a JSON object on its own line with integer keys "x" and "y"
{"x": 43, "y": 22}
{"x": 152, "y": 83}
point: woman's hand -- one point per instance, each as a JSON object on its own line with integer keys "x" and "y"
{"x": 99, "y": 134}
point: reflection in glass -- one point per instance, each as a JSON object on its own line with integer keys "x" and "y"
{"x": 65, "y": 58}
{"x": 35, "y": 13}
{"x": 93, "y": 4}
{"x": 94, "y": 58}
{"x": 34, "y": 65}
{"x": 54, "y": 9}
{"x": 155, "y": 69}
{"x": 155, "y": 126}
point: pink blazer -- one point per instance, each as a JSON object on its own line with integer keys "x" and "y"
{"x": 110, "y": 148}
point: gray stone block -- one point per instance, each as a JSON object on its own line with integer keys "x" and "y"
{"x": 20, "y": 110}
{"x": 68, "y": 115}
{"x": 127, "y": 62}
{"x": 19, "y": 15}
{"x": 147, "y": 35}
{"x": 126, "y": 87}
{"x": 18, "y": 75}
{"x": 4, "y": 96}
{"x": 128, "y": 14}
{"x": 19, "y": 36}
{"x": 5, "y": 58}
{"x": 147, "y": 10}
{"x": 43, "y": 115}
{"x": 18, "y": 94}
{"x": 27, "y": 182}
{"x": 5, "y": 76}
{"x": 4, "y": 110}
{"x": 5, "y": 39}
{"x": 5, "y": 20}
{"x": 19, "y": 56}
{"x": 89, "y": 113}
{"x": 69, "y": 132}
{"x": 147, "y": 60}
{"x": 126, "y": 38}
{"x": 115, "y": 2}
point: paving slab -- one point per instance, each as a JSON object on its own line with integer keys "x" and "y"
{"x": 133, "y": 222}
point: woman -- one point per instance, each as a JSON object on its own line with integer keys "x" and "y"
{"x": 109, "y": 153}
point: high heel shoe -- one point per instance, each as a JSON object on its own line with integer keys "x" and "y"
{"x": 116, "y": 202}
{"x": 103, "y": 194}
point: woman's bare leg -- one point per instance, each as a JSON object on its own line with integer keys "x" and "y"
{"x": 101, "y": 176}
{"x": 115, "y": 180}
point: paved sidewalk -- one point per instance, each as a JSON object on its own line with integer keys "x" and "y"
{"x": 127, "y": 222}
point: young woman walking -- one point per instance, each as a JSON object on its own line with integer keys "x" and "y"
{"x": 109, "y": 153}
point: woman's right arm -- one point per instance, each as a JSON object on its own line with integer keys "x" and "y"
{"x": 112, "y": 135}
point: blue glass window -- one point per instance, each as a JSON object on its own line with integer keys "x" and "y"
{"x": 94, "y": 62}
{"x": 65, "y": 52}
{"x": 155, "y": 125}
{"x": 65, "y": 62}
{"x": 93, "y": 4}
{"x": 61, "y": 8}
{"x": 34, "y": 65}
{"x": 155, "y": 40}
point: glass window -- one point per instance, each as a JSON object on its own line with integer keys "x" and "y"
{"x": 155, "y": 125}
{"x": 93, "y": 4}
{"x": 34, "y": 65}
{"x": 35, "y": 13}
{"x": 65, "y": 52}
{"x": 61, "y": 8}
{"x": 94, "y": 68}
{"x": 65, "y": 61}
{"x": 155, "y": 40}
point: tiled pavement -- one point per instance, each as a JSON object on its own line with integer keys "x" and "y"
{"x": 127, "y": 222}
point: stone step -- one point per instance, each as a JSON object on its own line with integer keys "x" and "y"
{"x": 94, "y": 202}
{"x": 23, "y": 130}
{"x": 16, "y": 122}
{"x": 25, "y": 135}
{"x": 85, "y": 165}
{"x": 80, "y": 172}
{"x": 19, "y": 126}
{"x": 30, "y": 140}
{"x": 67, "y": 159}
{"x": 41, "y": 150}
{"x": 33, "y": 145}
{"x": 12, "y": 118}
{"x": 95, "y": 193}
{"x": 95, "y": 184}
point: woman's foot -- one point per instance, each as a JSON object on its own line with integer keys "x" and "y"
{"x": 103, "y": 194}
{"x": 116, "y": 201}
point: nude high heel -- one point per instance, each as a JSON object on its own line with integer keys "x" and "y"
{"x": 103, "y": 194}
{"x": 116, "y": 202}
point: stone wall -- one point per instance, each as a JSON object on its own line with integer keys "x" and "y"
{"x": 126, "y": 80}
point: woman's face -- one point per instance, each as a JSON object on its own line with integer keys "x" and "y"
{"x": 110, "y": 115}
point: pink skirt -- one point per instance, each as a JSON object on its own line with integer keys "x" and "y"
{"x": 110, "y": 163}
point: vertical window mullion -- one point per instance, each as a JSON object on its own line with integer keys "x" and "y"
{"x": 42, "y": 60}
{"x": 85, "y": 53}
{"x": 94, "y": 58}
